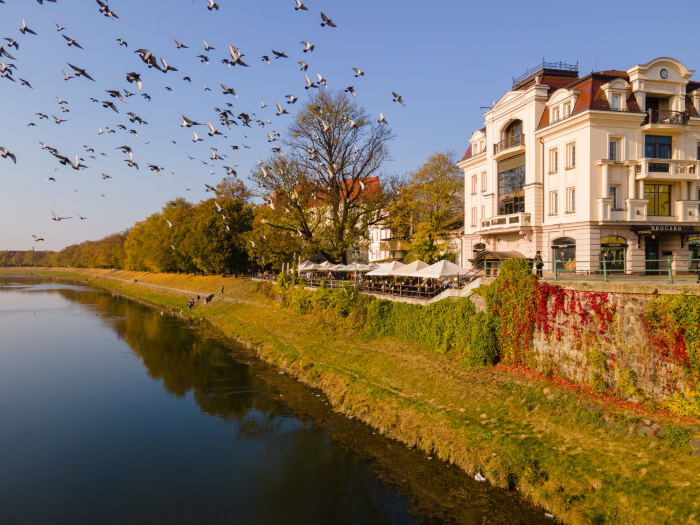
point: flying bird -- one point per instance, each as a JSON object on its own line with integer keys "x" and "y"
{"x": 167, "y": 67}
{"x": 105, "y": 176}
{"x": 50, "y": 179}
{"x": 24, "y": 29}
{"x": 351, "y": 90}
{"x": 4, "y": 153}
{"x": 12, "y": 43}
{"x": 292, "y": 99}
{"x": 80, "y": 72}
{"x": 179, "y": 45}
{"x": 71, "y": 41}
{"x": 68, "y": 77}
{"x": 280, "y": 109}
{"x": 327, "y": 21}
{"x": 207, "y": 47}
{"x": 122, "y": 42}
{"x": 58, "y": 120}
{"x": 108, "y": 104}
{"x": 309, "y": 46}
{"x": 59, "y": 28}
{"x": 212, "y": 5}
{"x": 228, "y": 91}
{"x": 358, "y": 73}
{"x": 25, "y": 83}
{"x": 155, "y": 168}
{"x": 37, "y": 239}
{"x": 309, "y": 84}
{"x": 134, "y": 77}
{"x": 57, "y": 218}
{"x": 304, "y": 65}
{"x": 279, "y": 55}
{"x": 114, "y": 93}
{"x": 397, "y": 98}
{"x": 212, "y": 131}
{"x": 81, "y": 218}
{"x": 300, "y": 6}
{"x": 382, "y": 119}
{"x": 196, "y": 138}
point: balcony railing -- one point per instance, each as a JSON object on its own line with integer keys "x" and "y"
{"x": 505, "y": 221}
{"x": 510, "y": 142}
{"x": 663, "y": 116}
{"x": 665, "y": 169}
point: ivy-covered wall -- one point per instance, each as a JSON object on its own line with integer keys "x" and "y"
{"x": 640, "y": 347}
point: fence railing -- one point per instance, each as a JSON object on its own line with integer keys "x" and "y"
{"x": 663, "y": 116}
{"x": 629, "y": 270}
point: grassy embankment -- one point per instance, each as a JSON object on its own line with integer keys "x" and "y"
{"x": 548, "y": 442}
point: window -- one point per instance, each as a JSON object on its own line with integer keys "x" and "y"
{"x": 554, "y": 203}
{"x": 564, "y": 252}
{"x": 659, "y": 196}
{"x": 553, "y": 161}
{"x": 474, "y": 185}
{"x": 483, "y": 181}
{"x": 571, "y": 156}
{"x": 473, "y": 216}
{"x": 567, "y": 109}
{"x": 571, "y": 201}
{"x": 483, "y": 212}
{"x": 514, "y": 129}
{"x": 697, "y": 153}
{"x": 614, "y": 150}
{"x": 555, "y": 114}
{"x": 511, "y": 195}
{"x": 616, "y": 102}
{"x": 613, "y": 195}
{"x": 656, "y": 147}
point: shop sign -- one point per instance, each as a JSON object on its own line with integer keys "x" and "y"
{"x": 662, "y": 229}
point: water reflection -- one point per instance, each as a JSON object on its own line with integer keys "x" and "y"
{"x": 204, "y": 436}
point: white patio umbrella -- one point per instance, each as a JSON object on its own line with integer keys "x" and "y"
{"x": 385, "y": 268}
{"x": 409, "y": 269}
{"x": 440, "y": 270}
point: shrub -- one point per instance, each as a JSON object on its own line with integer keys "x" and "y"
{"x": 482, "y": 350}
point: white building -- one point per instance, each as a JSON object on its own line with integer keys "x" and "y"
{"x": 575, "y": 167}
{"x": 378, "y": 248}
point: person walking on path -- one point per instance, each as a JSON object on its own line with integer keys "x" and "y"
{"x": 539, "y": 264}
{"x": 222, "y": 289}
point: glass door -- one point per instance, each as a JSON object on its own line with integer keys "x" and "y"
{"x": 651, "y": 254}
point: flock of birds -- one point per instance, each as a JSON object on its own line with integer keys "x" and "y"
{"x": 226, "y": 116}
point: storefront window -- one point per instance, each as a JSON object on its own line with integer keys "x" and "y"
{"x": 617, "y": 246}
{"x": 564, "y": 252}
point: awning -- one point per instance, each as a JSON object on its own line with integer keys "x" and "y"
{"x": 487, "y": 255}
{"x": 385, "y": 269}
{"x": 441, "y": 270}
{"x": 410, "y": 269}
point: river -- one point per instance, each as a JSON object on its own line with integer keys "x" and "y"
{"x": 113, "y": 413}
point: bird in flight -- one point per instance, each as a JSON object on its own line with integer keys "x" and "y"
{"x": 80, "y": 72}
{"x": 212, "y": 5}
{"x": 81, "y": 218}
{"x": 212, "y": 131}
{"x": 280, "y": 109}
{"x": 24, "y": 29}
{"x": 358, "y": 72}
{"x": 57, "y": 218}
{"x": 300, "y": 6}
{"x": 71, "y": 41}
{"x": 382, "y": 119}
{"x": 37, "y": 239}
{"x": 105, "y": 176}
{"x": 179, "y": 44}
{"x": 309, "y": 46}
{"x": 12, "y": 43}
{"x": 351, "y": 90}
{"x": 279, "y": 55}
{"x": 292, "y": 99}
{"x": 397, "y": 98}
{"x": 207, "y": 47}
{"x": 196, "y": 138}
{"x": 122, "y": 42}
{"x": 58, "y": 120}
{"x": 327, "y": 21}
{"x": 59, "y": 27}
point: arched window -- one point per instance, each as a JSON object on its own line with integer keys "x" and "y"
{"x": 478, "y": 248}
{"x": 564, "y": 253}
{"x": 514, "y": 129}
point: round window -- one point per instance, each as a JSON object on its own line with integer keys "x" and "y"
{"x": 664, "y": 74}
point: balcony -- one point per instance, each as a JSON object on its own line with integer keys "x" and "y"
{"x": 665, "y": 119}
{"x": 508, "y": 147}
{"x": 667, "y": 169}
{"x": 516, "y": 221}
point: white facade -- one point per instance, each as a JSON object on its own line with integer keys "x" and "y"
{"x": 378, "y": 249}
{"x": 610, "y": 163}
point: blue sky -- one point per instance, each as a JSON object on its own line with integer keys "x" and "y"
{"x": 446, "y": 58}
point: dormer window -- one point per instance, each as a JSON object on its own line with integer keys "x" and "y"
{"x": 616, "y": 103}
{"x": 555, "y": 114}
{"x": 567, "y": 109}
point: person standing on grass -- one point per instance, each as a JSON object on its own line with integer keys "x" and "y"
{"x": 222, "y": 289}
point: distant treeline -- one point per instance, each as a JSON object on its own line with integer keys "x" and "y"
{"x": 209, "y": 236}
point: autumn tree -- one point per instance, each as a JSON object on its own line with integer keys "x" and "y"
{"x": 327, "y": 184}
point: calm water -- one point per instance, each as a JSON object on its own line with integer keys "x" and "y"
{"x": 112, "y": 413}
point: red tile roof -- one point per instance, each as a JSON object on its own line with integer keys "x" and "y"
{"x": 468, "y": 153}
